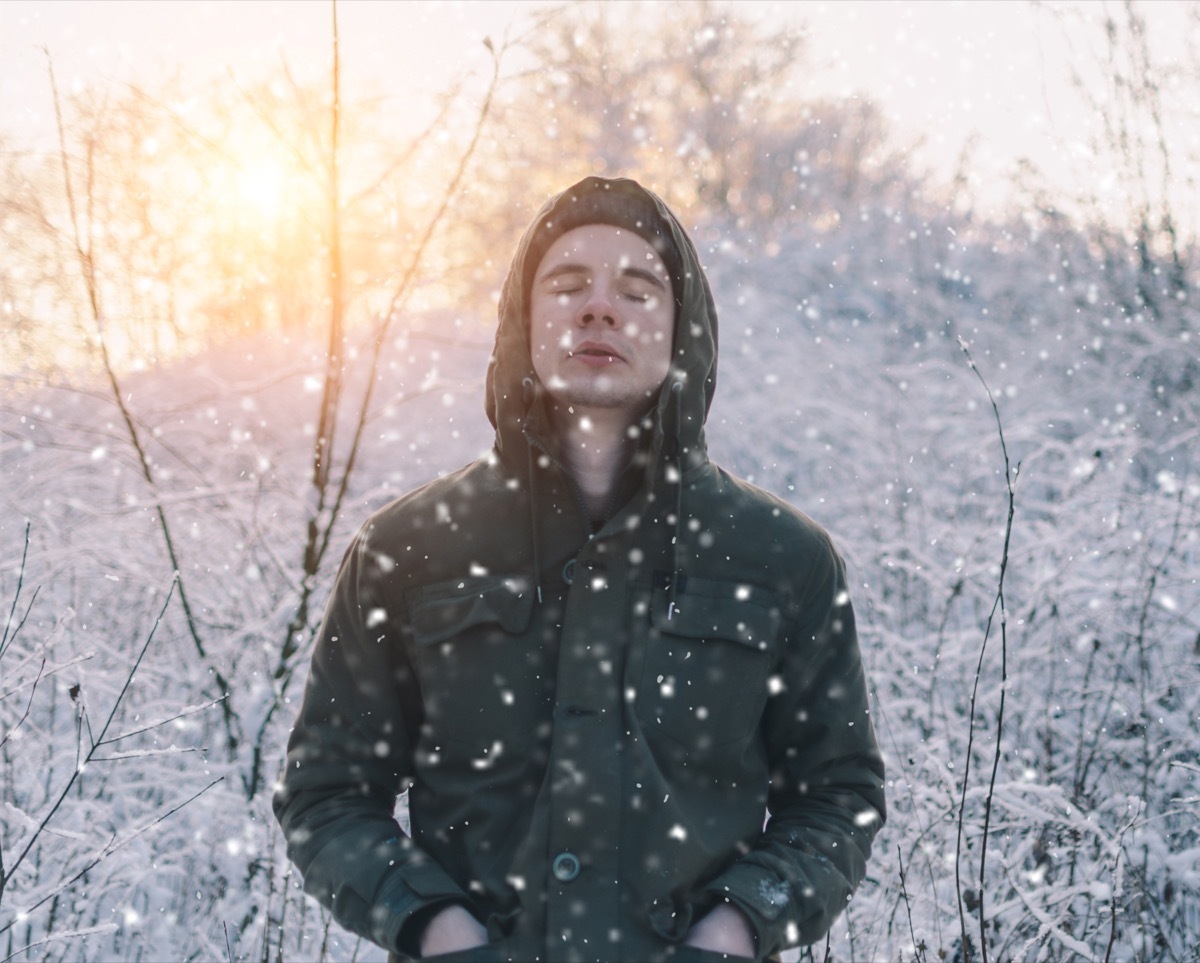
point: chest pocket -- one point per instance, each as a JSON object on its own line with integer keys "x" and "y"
{"x": 708, "y": 660}
{"x": 484, "y": 679}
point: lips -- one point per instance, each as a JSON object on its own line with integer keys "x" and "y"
{"x": 595, "y": 352}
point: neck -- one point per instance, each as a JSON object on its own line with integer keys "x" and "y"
{"x": 595, "y": 446}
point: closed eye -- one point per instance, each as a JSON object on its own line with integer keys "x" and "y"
{"x": 565, "y": 279}
{"x": 640, "y": 291}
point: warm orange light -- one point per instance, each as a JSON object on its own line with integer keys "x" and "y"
{"x": 260, "y": 187}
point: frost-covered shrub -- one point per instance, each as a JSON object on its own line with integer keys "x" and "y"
{"x": 865, "y": 413}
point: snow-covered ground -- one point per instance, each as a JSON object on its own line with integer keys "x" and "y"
{"x": 844, "y": 388}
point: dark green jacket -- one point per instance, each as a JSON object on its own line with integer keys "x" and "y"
{"x": 591, "y": 727}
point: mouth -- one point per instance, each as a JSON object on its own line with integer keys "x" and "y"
{"x": 595, "y": 352}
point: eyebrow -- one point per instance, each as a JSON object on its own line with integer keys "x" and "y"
{"x": 633, "y": 272}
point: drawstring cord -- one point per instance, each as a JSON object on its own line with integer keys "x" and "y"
{"x": 676, "y": 415}
{"x": 527, "y": 396}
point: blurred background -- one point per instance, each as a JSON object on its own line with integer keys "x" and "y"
{"x": 205, "y": 130}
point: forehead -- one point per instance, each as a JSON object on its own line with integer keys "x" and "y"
{"x": 600, "y": 247}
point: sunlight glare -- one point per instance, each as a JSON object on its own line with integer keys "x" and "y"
{"x": 260, "y": 186}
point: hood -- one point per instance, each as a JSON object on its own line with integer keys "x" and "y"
{"x": 513, "y": 387}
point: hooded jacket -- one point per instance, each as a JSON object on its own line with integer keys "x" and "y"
{"x": 590, "y": 725}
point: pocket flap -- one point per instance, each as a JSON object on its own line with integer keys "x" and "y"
{"x": 445, "y": 609}
{"x": 709, "y": 608}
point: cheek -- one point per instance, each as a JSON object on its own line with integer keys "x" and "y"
{"x": 541, "y": 333}
{"x": 661, "y": 331}
{"x": 655, "y": 326}
{"x": 546, "y": 344}
{"x": 548, "y": 340}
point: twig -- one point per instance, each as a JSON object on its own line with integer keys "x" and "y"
{"x": 52, "y": 937}
{"x": 4, "y": 640}
{"x": 74, "y": 661}
{"x": 406, "y": 281}
{"x": 28, "y": 706}
{"x": 80, "y": 765}
{"x": 1083, "y": 766}
{"x": 916, "y": 813}
{"x": 1048, "y": 926}
{"x": 332, "y": 390}
{"x": 998, "y": 603}
{"x": 189, "y": 711}
{"x": 172, "y": 751}
{"x": 399, "y": 162}
{"x": 110, "y": 848}
{"x": 955, "y": 592}
{"x": 1112, "y": 932}
{"x": 918, "y": 951}
{"x": 21, "y": 624}
{"x": 1143, "y": 658}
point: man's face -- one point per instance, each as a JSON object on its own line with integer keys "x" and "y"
{"x": 601, "y": 320}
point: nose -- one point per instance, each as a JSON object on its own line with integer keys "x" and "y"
{"x": 598, "y": 308}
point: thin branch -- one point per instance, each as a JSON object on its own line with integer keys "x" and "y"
{"x": 302, "y": 162}
{"x": 918, "y": 951}
{"x": 189, "y": 711}
{"x": 4, "y": 640}
{"x": 999, "y": 603}
{"x": 110, "y": 848}
{"x": 143, "y": 753}
{"x": 399, "y": 162}
{"x": 331, "y": 394}
{"x": 1112, "y": 931}
{"x": 54, "y": 937}
{"x": 406, "y": 281}
{"x": 1157, "y": 570}
{"x": 402, "y": 289}
{"x": 28, "y": 706}
{"x": 82, "y": 764}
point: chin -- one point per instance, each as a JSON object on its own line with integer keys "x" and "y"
{"x": 592, "y": 396}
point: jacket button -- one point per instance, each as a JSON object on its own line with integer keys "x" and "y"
{"x": 565, "y": 867}
{"x": 568, "y": 571}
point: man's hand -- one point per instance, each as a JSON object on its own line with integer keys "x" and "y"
{"x": 724, "y": 929}
{"x": 450, "y": 930}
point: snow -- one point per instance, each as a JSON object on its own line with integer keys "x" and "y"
{"x": 843, "y": 388}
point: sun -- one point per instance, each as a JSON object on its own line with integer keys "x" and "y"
{"x": 261, "y": 188}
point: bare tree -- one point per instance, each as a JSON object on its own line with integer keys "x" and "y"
{"x": 86, "y": 246}
{"x": 329, "y": 489}
{"x": 1126, "y": 84}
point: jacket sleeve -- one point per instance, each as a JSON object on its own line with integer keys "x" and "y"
{"x": 349, "y": 755}
{"x": 826, "y": 798}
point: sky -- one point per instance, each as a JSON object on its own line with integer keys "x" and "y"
{"x": 991, "y": 73}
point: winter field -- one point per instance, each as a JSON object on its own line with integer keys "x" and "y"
{"x": 1064, "y": 724}
{"x": 997, "y": 417}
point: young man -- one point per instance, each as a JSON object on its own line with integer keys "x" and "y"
{"x": 595, "y": 660}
